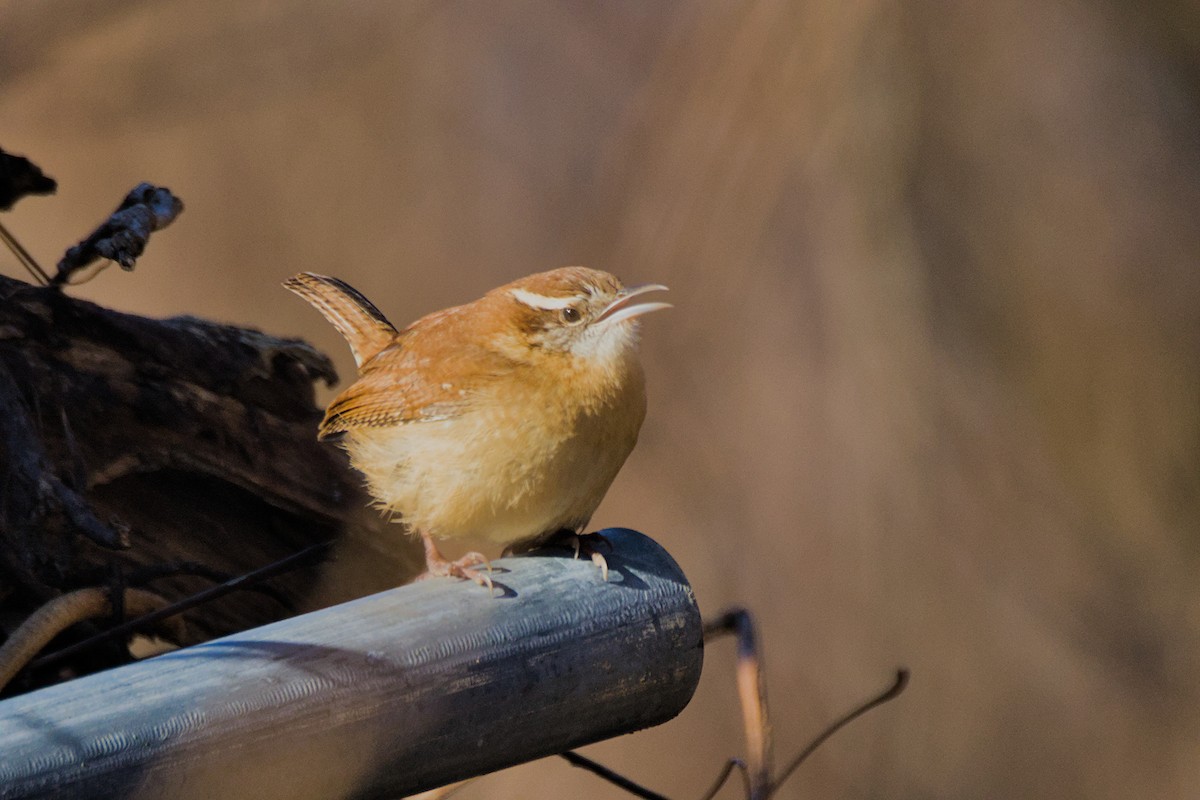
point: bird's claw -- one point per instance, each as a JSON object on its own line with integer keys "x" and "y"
{"x": 464, "y": 567}
{"x": 586, "y": 543}
{"x": 600, "y": 561}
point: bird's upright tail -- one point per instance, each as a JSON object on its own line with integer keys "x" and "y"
{"x": 364, "y": 326}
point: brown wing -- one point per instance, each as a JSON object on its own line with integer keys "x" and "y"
{"x": 391, "y": 397}
{"x": 414, "y": 382}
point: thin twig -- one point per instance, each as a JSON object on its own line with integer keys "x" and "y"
{"x": 240, "y": 582}
{"x": 27, "y": 261}
{"x": 723, "y": 776}
{"x": 890, "y": 693}
{"x": 635, "y": 789}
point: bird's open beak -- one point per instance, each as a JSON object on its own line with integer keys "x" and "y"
{"x": 622, "y": 309}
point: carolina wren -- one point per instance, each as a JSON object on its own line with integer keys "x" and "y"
{"x": 506, "y": 418}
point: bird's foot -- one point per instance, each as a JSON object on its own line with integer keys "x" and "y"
{"x": 438, "y": 566}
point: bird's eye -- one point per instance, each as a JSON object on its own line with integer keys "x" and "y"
{"x": 571, "y": 315}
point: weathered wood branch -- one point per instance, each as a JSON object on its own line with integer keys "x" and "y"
{"x": 384, "y": 696}
{"x": 130, "y": 444}
{"x": 124, "y": 235}
{"x": 20, "y": 177}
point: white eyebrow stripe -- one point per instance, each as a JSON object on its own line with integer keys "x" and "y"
{"x": 534, "y": 300}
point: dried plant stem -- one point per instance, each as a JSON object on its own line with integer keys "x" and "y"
{"x": 752, "y": 693}
{"x": 61, "y": 613}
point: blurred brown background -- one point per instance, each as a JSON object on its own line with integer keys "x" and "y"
{"x": 930, "y": 394}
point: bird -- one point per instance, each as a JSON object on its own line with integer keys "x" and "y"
{"x": 504, "y": 419}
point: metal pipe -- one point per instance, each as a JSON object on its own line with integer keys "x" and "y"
{"x": 384, "y": 696}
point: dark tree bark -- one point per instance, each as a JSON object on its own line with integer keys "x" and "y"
{"x": 170, "y": 452}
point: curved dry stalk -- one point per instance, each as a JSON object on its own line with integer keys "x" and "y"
{"x": 62, "y": 612}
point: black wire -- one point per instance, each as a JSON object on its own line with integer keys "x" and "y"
{"x": 636, "y": 789}
{"x": 148, "y": 574}
{"x": 240, "y": 582}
